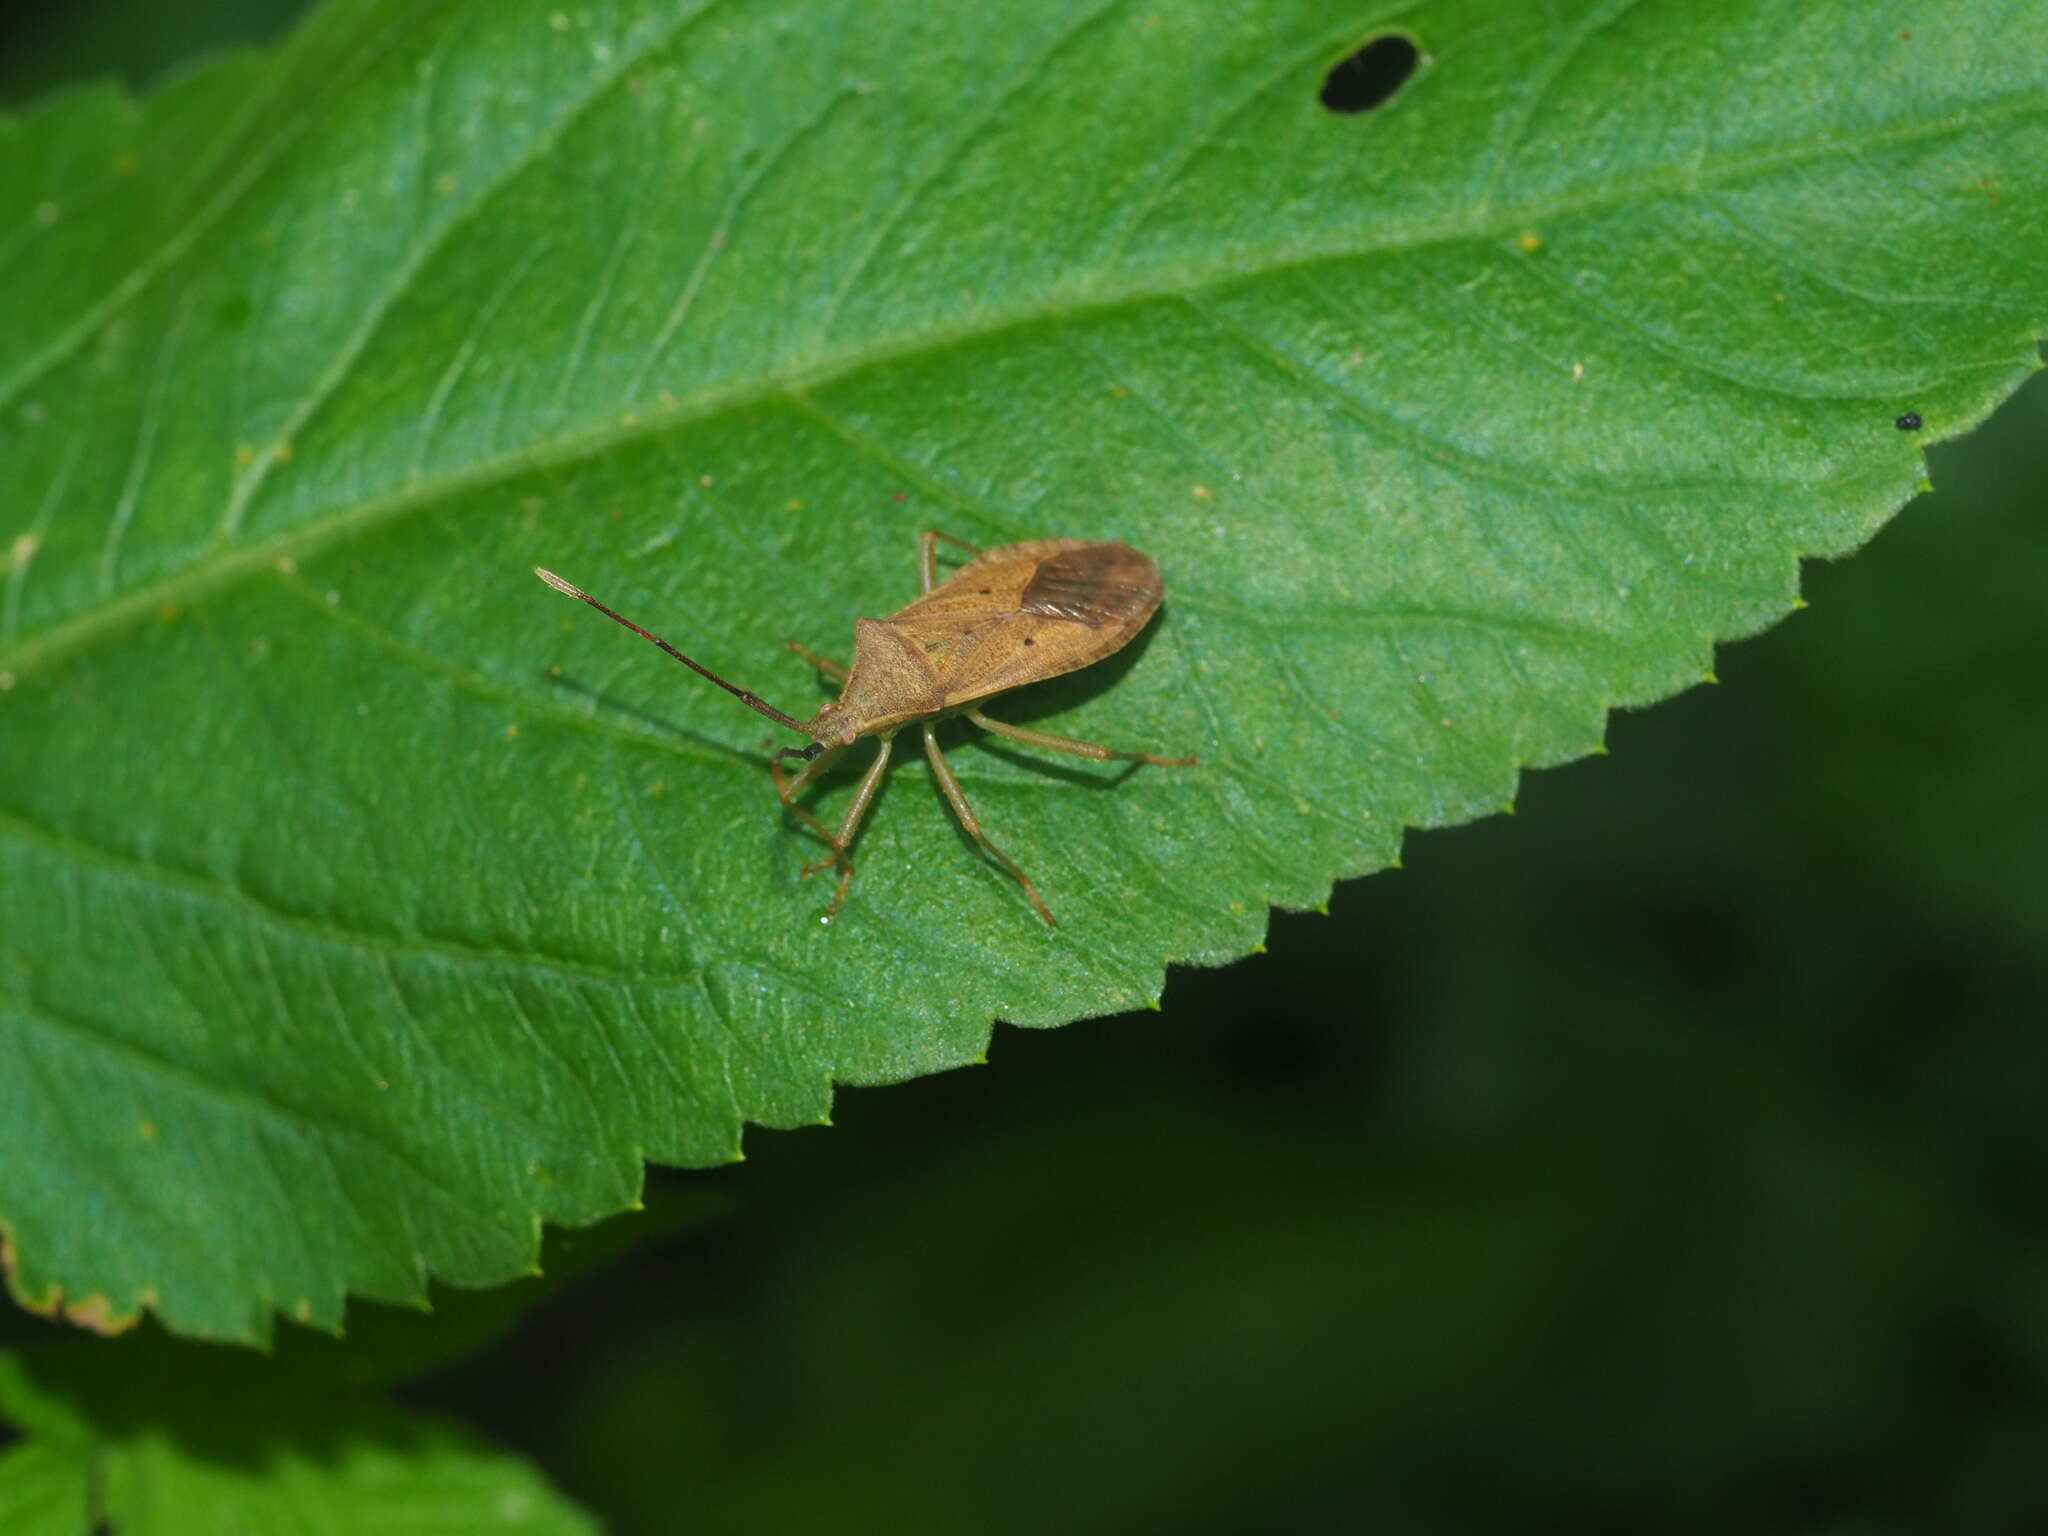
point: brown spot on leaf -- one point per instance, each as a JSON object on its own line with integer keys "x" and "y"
{"x": 95, "y": 1311}
{"x": 98, "y": 1314}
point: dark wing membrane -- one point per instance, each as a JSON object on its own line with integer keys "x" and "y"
{"x": 1096, "y": 585}
{"x": 1079, "y": 604}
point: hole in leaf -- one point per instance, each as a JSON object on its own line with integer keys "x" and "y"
{"x": 1369, "y": 77}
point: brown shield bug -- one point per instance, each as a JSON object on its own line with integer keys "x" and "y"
{"x": 1009, "y": 616}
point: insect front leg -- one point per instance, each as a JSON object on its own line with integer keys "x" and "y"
{"x": 928, "y": 556}
{"x": 790, "y": 787}
{"x": 1090, "y": 749}
{"x": 971, "y": 824}
{"x": 842, "y": 840}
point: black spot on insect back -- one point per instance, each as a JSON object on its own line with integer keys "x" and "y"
{"x": 1369, "y": 78}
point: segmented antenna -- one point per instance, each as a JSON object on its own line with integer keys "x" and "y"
{"x": 752, "y": 701}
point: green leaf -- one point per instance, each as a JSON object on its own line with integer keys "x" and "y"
{"x": 362, "y": 903}
{"x": 138, "y": 1439}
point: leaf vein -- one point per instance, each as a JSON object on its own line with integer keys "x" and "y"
{"x": 415, "y": 260}
{"x": 950, "y": 155}
{"x": 176, "y": 245}
{"x": 191, "y": 888}
{"x": 217, "y": 567}
{"x": 145, "y": 445}
{"x": 234, "y": 1096}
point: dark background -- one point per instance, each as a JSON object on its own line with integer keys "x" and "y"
{"x": 1669, "y": 1155}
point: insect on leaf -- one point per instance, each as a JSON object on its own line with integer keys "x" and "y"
{"x": 361, "y": 904}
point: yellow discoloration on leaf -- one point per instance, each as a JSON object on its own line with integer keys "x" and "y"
{"x": 94, "y": 1311}
{"x": 97, "y": 1314}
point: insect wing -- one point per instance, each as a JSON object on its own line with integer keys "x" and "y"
{"x": 1067, "y": 603}
{"x": 1099, "y": 585}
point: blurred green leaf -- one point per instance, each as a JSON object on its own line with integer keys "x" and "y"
{"x": 341, "y": 941}
{"x": 390, "y": 1345}
{"x": 1261, "y": 1319}
{"x": 42, "y": 1488}
{"x": 46, "y": 45}
{"x": 135, "y": 1436}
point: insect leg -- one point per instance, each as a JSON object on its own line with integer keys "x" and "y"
{"x": 831, "y": 669}
{"x": 971, "y": 823}
{"x": 928, "y": 556}
{"x": 1094, "y": 749}
{"x": 840, "y": 841}
{"x": 789, "y": 788}
{"x": 870, "y": 782}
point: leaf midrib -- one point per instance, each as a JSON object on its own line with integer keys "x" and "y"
{"x": 216, "y": 570}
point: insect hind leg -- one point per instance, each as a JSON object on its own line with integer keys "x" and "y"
{"x": 1089, "y": 749}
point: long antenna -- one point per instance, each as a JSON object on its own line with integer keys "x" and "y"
{"x": 752, "y": 701}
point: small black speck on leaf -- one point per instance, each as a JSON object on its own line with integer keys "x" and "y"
{"x": 1910, "y": 422}
{"x": 1369, "y": 77}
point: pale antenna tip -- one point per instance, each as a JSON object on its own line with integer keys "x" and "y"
{"x": 555, "y": 581}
